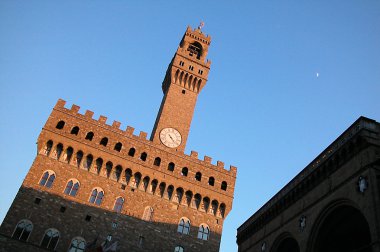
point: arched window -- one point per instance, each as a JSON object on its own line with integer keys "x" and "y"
{"x": 60, "y": 125}
{"x": 206, "y": 203}
{"x": 137, "y": 179}
{"x": 58, "y": 150}
{"x": 89, "y": 136}
{"x": 47, "y": 179}
{"x": 118, "y": 204}
{"x": 118, "y": 147}
{"x": 178, "y": 249}
{"x": 189, "y": 196}
{"x": 69, "y": 154}
{"x": 179, "y": 194}
{"x": 87, "y": 164}
{"x": 99, "y": 164}
{"x": 211, "y": 181}
{"x": 197, "y": 200}
{"x": 78, "y": 244}
{"x": 185, "y": 171}
{"x": 131, "y": 152}
{"x": 48, "y": 147}
{"x": 109, "y": 166}
{"x": 171, "y": 166}
{"x": 97, "y": 196}
{"x": 23, "y": 230}
{"x": 198, "y": 176}
{"x": 104, "y": 141}
{"x": 170, "y": 191}
{"x": 75, "y": 130}
{"x": 153, "y": 186}
{"x": 72, "y": 187}
{"x": 157, "y": 161}
{"x": 162, "y": 188}
{"x": 203, "y": 232}
{"x": 148, "y": 214}
{"x": 143, "y": 156}
{"x": 50, "y": 239}
{"x": 184, "y": 226}
{"x": 128, "y": 175}
{"x": 214, "y": 206}
{"x": 224, "y": 186}
{"x": 222, "y": 209}
{"x": 79, "y": 158}
{"x": 146, "y": 183}
{"x": 118, "y": 171}
{"x": 195, "y": 49}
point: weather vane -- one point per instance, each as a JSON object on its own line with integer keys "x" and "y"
{"x": 201, "y": 25}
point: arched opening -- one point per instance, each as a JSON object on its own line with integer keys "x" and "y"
{"x": 128, "y": 175}
{"x": 99, "y": 163}
{"x": 189, "y": 197}
{"x": 171, "y": 166}
{"x": 195, "y": 48}
{"x": 343, "y": 228}
{"x": 88, "y": 163}
{"x": 118, "y": 171}
{"x": 118, "y": 146}
{"x": 170, "y": 192}
{"x": 211, "y": 181}
{"x": 60, "y": 125}
{"x": 143, "y": 156}
{"x": 153, "y": 186}
{"x": 198, "y": 176}
{"x": 79, "y": 158}
{"x": 59, "y": 150}
{"x": 109, "y": 166}
{"x": 75, "y": 130}
{"x": 157, "y": 161}
{"x": 89, "y": 136}
{"x": 104, "y": 141}
{"x": 146, "y": 183}
{"x": 224, "y": 186}
{"x": 285, "y": 243}
{"x": 185, "y": 171}
{"x": 131, "y": 152}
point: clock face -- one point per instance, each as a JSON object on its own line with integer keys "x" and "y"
{"x": 170, "y": 137}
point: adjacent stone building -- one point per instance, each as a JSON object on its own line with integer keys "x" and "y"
{"x": 331, "y": 205}
{"x": 94, "y": 183}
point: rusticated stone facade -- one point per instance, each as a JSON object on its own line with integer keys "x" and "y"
{"x": 331, "y": 205}
{"x": 92, "y": 182}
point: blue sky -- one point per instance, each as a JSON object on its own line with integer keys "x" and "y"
{"x": 264, "y": 109}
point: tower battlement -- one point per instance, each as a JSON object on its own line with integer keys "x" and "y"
{"x": 141, "y": 136}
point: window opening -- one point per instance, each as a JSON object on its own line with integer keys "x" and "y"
{"x": 171, "y": 166}
{"x": 104, "y": 141}
{"x": 203, "y": 232}
{"x": 75, "y": 131}
{"x": 118, "y": 146}
{"x": 60, "y": 125}
{"x": 77, "y": 245}
{"x": 89, "y": 136}
{"x": 72, "y": 188}
{"x": 184, "y": 226}
{"x": 50, "y": 239}
{"x": 198, "y": 176}
{"x": 23, "y": 230}
{"x": 184, "y": 171}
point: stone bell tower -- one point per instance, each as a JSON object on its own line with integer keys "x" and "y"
{"x": 185, "y": 77}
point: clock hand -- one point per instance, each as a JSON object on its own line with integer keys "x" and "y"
{"x": 171, "y": 137}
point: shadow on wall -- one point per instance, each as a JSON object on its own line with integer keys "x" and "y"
{"x": 51, "y": 221}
